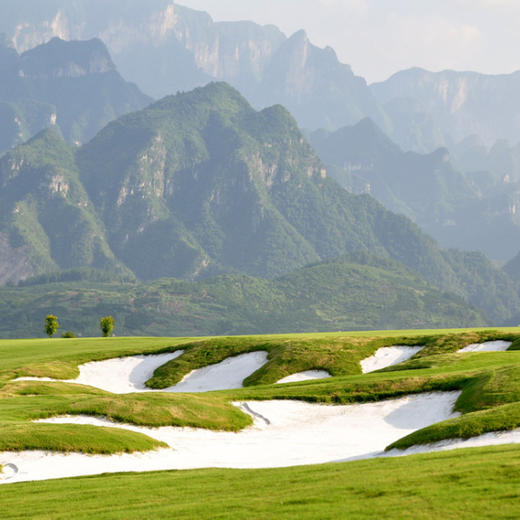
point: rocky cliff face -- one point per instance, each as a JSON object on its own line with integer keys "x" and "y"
{"x": 452, "y": 106}
{"x": 47, "y": 221}
{"x": 189, "y": 49}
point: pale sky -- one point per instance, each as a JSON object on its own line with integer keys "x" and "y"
{"x": 380, "y": 37}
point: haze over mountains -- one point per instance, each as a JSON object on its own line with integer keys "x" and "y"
{"x": 71, "y": 86}
{"x": 473, "y": 209}
{"x": 201, "y": 184}
{"x": 152, "y": 41}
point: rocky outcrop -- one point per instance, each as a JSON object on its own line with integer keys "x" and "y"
{"x": 14, "y": 262}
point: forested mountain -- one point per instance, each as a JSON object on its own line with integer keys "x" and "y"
{"x": 47, "y": 221}
{"x": 358, "y": 291}
{"x": 198, "y": 184}
{"x": 472, "y": 210}
{"x": 164, "y": 47}
{"x": 70, "y": 86}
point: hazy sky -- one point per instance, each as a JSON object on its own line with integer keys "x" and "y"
{"x": 379, "y": 37}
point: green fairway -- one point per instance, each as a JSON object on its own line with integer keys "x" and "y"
{"x": 489, "y": 381}
{"x": 469, "y": 484}
{"x": 474, "y": 483}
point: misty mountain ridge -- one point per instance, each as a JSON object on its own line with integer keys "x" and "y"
{"x": 430, "y": 109}
{"x": 264, "y": 64}
{"x": 472, "y": 210}
{"x": 73, "y": 87}
{"x": 418, "y": 109}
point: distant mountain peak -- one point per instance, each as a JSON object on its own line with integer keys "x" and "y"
{"x": 60, "y": 58}
{"x": 300, "y": 35}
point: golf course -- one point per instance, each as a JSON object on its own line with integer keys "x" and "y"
{"x": 292, "y": 426}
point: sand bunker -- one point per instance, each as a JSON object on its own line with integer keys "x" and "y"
{"x": 284, "y": 433}
{"x": 388, "y": 356}
{"x": 487, "y": 439}
{"x": 488, "y": 346}
{"x": 7, "y": 472}
{"x": 307, "y": 375}
{"x": 129, "y": 374}
{"x": 225, "y": 375}
{"x": 118, "y": 375}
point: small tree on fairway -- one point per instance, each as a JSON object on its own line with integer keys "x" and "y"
{"x": 51, "y": 325}
{"x": 107, "y": 325}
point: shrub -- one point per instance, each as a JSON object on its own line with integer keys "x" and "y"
{"x": 51, "y": 325}
{"x": 107, "y": 325}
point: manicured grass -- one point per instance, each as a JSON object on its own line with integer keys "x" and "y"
{"x": 24, "y": 401}
{"x": 59, "y": 358}
{"x": 468, "y": 484}
{"x": 74, "y": 438}
{"x": 488, "y": 381}
{"x": 339, "y": 354}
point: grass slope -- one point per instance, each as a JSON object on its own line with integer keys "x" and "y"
{"x": 468, "y": 484}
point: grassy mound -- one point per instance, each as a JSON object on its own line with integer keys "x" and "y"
{"x": 489, "y": 382}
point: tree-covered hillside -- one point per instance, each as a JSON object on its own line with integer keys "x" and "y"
{"x": 199, "y": 184}
{"x": 357, "y": 291}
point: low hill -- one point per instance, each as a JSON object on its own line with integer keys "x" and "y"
{"x": 353, "y": 292}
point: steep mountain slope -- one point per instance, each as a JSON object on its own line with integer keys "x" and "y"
{"x": 472, "y": 210}
{"x": 316, "y": 88}
{"x": 72, "y": 86}
{"x": 353, "y": 292}
{"x": 46, "y": 219}
{"x": 189, "y": 49}
{"x": 210, "y": 184}
{"x": 431, "y": 109}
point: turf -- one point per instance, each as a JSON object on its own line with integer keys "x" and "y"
{"x": 473, "y": 483}
{"x": 489, "y": 382}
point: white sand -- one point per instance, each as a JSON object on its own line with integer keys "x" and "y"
{"x": 306, "y": 375}
{"x": 129, "y": 374}
{"x": 388, "y": 356}
{"x": 488, "y": 346}
{"x": 487, "y": 439}
{"x": 7, "y": 472}
{"x": 225, "y": 375}
{"x": 118, "y": 375}
{"x": 284, "y": 433}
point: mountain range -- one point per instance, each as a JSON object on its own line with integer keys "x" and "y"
{"x": 472, "y": 210}
{"x": 152, "y": 41}
{"x": 164, "y": 47}
{"x": 199, "y": 184}
{"x": 203, "y": 185}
